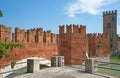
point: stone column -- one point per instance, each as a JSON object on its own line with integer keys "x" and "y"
{"x": 90, "y": 65}
{"x": 57, "y": 61}
{"x": 33, "y": 65}
{"x": 60, "y": 61}
{"x": 54, "y": 61}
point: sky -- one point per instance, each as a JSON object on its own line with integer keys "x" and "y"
{"x": 49, "y": 14}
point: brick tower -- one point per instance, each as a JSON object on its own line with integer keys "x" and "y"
{"x": 110, "y": 27}
{"x": 73, "y": 43}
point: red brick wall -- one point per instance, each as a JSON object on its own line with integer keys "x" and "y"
{"x": 5, "y": 33}
{"x": 31, "y": 50}
{"x": 34, "y": 44}
{"x": 94, "y": 40}
{"x": 73, "y": 43}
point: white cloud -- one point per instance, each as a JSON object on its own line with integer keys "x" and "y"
{"x": 86, "y": 6}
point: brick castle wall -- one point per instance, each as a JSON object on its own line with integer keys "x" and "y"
{"x": 37, "y": 43}
{"x": 73, "y": 43}
{"x": 5, "y": 33}
{"x": 98, "y": 45}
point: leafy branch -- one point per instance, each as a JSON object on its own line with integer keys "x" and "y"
{"x": 5, "y": 47}
{"x": 99, "y": 46}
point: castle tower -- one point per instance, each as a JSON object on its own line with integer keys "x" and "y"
{"x": 110, "y": 27}
{"x": 73, "y": 43}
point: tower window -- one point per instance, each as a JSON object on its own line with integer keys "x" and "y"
{"x": 111, "y": 45}
{"x": 109, "y": 25}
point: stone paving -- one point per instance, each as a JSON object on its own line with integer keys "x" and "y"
{"x": 63, "y": 72}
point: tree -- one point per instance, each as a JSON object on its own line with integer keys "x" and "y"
{"x": 5, "y": 47}
{"x": 1, "y": 14}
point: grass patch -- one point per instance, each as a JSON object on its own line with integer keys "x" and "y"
{"x": 117, "y": 57}
{"x": 113, "y": 59}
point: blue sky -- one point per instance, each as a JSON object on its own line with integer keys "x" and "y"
{"x": 49, "y": 14}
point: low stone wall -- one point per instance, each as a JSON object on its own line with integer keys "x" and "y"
{"x": 22, "y": 63}
{"x": 103, "y": 59}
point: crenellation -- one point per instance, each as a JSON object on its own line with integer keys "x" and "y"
{"x": 69, "y": 29}
{"x": 95, "y": 35}
{"x": 13, "y": 37}
{"x": 5, "y": 33}
{"x": 109, "y": 12}
{"x": 90, "y": 35}
{"x": 100, "y": 35}
{"x": 40, "y": 29}
{"x": 22, "y": 31}
{"x": 61, "y": 29}
{"x": 30, "y": 36}
{"x": 82, "y": 29}
{"x": 49, "y": 31}
{"x": 54, "y": 38}
{"x": 75, "y": 29}
{"x": 39, "y": 36}
{"x": 20, "y": 35}
{"x": 47, "y": 37}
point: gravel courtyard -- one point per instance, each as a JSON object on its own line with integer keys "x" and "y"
{"x": 63, "y": 72}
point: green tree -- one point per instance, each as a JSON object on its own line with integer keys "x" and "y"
{"x": 1, "y": 14}
{"x": 5, "y": 47}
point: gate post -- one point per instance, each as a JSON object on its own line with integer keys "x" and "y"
{"x": 57, "y": 61}
{"x": 54, "y": 61}
{"x": 90, "y": 65}
{"x": 60, "y": 61}
{"x": 33, "y": 65}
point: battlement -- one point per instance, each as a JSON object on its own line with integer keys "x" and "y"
{"x": 109, "y": 12}
{"x": 37, "y": 29}
{"x": 47, "y": 33}
{"x": 97, "y": 35}
{"x": 5, "y": 33}
{"x": 5, "y": 29}
{"x": 34, "y": 35}
{"x": 31, "y": 32}
{"x": 72, "y": 28}
{"x": 20, "y": 31}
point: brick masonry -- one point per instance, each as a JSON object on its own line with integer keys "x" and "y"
{"x": 110, "y": 27}
{"x": 5, "y": 33}
{"x": 72, "y": 44}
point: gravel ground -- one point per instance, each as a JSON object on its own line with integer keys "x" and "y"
{"x": 63, "y": 72}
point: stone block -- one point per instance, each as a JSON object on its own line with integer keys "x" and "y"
{"x": 60, "y": 61}
{"x": 33, "y": 65}
{"x": 54, "y": 61}
{"x": 57, "y": 61}
{"x": 90, "y": 65}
